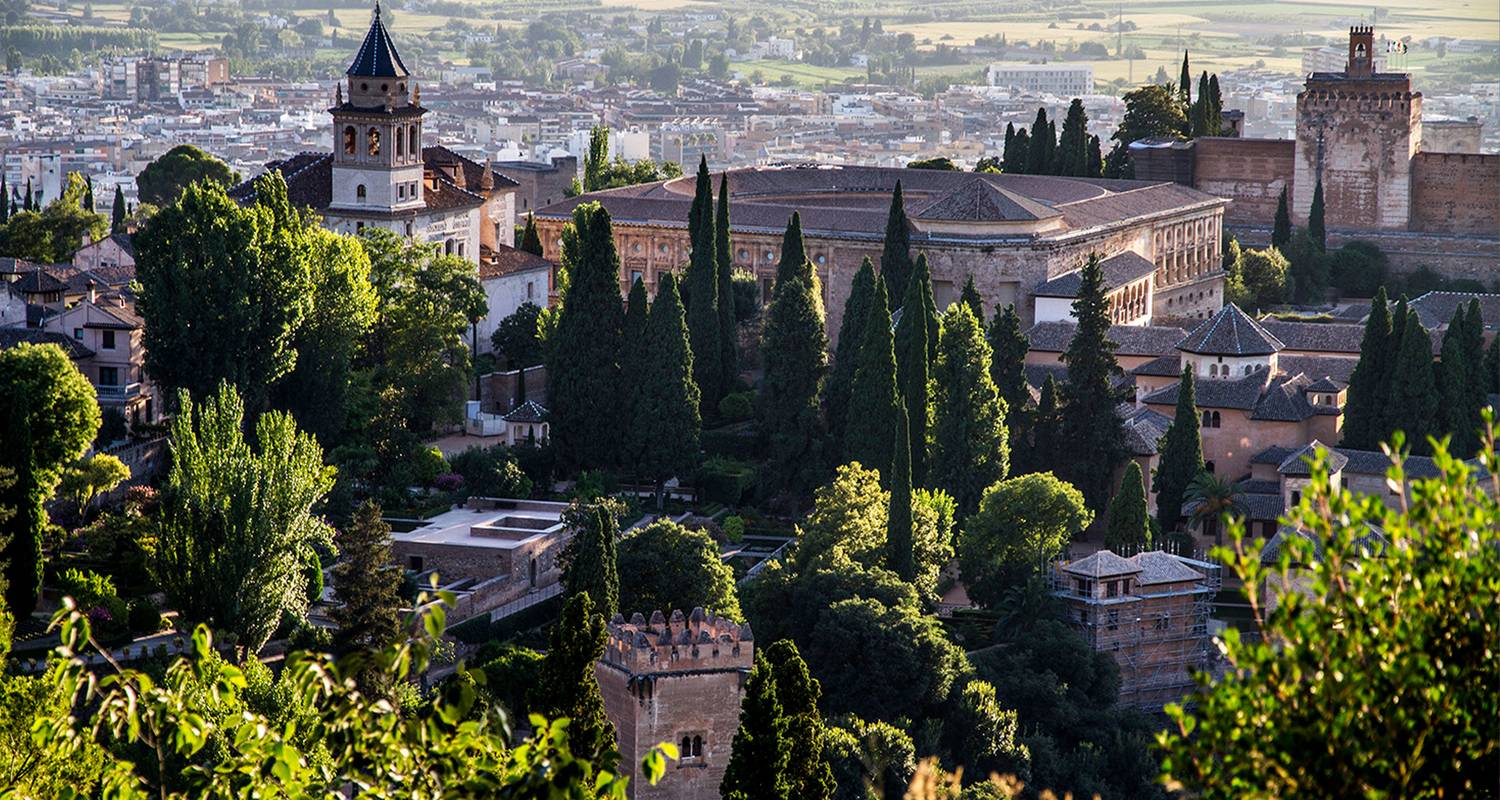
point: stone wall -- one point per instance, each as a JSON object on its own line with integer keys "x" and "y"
{"x": 1456, "y": 193}
{"x": 1252, "y": 172}
{"x": 498, "y": 390}
{"x": 1454, "y": 256}
{"x": 1360, "y": 136}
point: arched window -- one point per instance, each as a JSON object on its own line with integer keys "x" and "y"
{"x": 349, "y": 137}
{"x": 1207, "y": 420}
{"x": 400, "y": 145}
{"x": 360, "y": 193}
{"x": 373, "y": 135}
{"x": 1216, "y": 419}
{"x": 687, "y": 747}
{"x": 697, "y": 747}
{"x": 413, "y": 141}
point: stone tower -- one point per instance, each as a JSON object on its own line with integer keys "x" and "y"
{"x": 675, "y": 680}
{"x": 377, "y": 132}
{"x": 1357, "y": 130}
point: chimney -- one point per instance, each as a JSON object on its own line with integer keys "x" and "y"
{"x": 93, "y": 291}
{"x": 1361, "y": 52}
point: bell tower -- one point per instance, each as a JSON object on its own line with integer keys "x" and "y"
{"x": 377, "y": 133}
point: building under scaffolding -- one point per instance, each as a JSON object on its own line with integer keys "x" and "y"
{"x": 1149, "y": 611}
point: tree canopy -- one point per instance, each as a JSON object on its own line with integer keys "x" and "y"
{"x": 666, "y": 567}
{"x": 1022, "y": 525}
{"x": 164, "y": 179}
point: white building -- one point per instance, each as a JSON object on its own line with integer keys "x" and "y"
{"x": 1070, "y": 80}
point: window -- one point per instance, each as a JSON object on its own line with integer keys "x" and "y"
{"x": 360, "y": 193}
{"x": 1112, "y": 589}
{"x": 78, "y": 334}
{"x": 373, "y": 137}
{"x": 413, "y": 141}
{"x": 1207, "y": 420}
{"x": 1296, "y": 496}
{"x": 1162, "y": 623}
{"x": 1208, "y": 466}
{"x": 1080, "y": 586}
{"x": 359, "y": 227}
{"x": 409, "y": 229}
{"x": 1114, "y": 621}
{"x": 401, "y": 192}
{"x": 107, "y": 340}
{"x": 1216, "y": 419}
{"x": 349, "y": 137}
{"x": 109, "y": 376}
{"x": 414, "y": 563}
{"x": 635, "y": 276}
{"x": 400, "y": 144}
{"x": 530, "y": 289}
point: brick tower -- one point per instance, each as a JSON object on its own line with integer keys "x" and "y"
{"x": 1358, "y": 130}
{"x": 675, "y": 680}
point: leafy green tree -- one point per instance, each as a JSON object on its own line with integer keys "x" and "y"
{"x": 367, "y": 586}
{"x": 1181, "y": 455}
{"x": 895, "y": 258}
{"x": 703, "y": 297}
{"x": 590, "y": 559}
{"x": 48, "y": 417}
{"x": 1089, "y": 422}
{"x": 912, "y": 364}
{"x": 667, "y": 567}
{"x": 1411, "y": 394}
{"x": 1264, "y": 274}
{"x": 1281, "y": 232}
{"x": 851, "y": 336}
{"x": 27, "y": 769}
{"x": 53, "y": 233}
{"x": 1149, "y": 111}
{"x": 762, "y": 752}
{"x": 969, "y": 296}
{"x": 531, "y": 239}
{"x": 873, "y": 398}
{"x": 1317, "y": 228}
{"x": 1022, "y": 525}
{"x": 900, "y": 546}
{"x": 667, "y": 418}
{"x": 1008, "y": 348}
{"x": 1270, "y": 724}
{"x": 729, "y": 351}
{"x": 941, "y": 163}
{"x": 1310, "y": 270}
{"x": 870, "y": 759}
{"x": 235, "y": 521}
{"x": 808, "y": 775}
{"x": 518, "y": 337}
{"x": 970, "y": 445}
{"x": 1073, "y": 145}
{"x": 597, "y": 158}
{"x": 981, "y": 736}
{"x": 91, "y": 476}
{"x": 794, "y": 349}
{"x": 163, "y": 180}
{"x": 569, "y": 687}
{"x": 1129, "y": 530}
{"x": 583, "y": 369}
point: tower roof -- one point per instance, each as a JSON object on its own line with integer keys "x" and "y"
{"x": 377, "y": 57}
{"x": 1231, "y": 332}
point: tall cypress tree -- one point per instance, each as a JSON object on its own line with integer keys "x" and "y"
{"x": 1198, "y": 114}
{"x": 1007, "y": 154}
{"x": 1043, "y": 144}
{"x": 729, "y": 351}
{"x": 531, "y": 239}
{"x": 900, "y": 557}
{"x": 1491, "y": 380}
{"x": 912, "y": 362}
{"x": 874, "y": 399}
{"x": 1095, "y": 167}
{"x": 635, "y": 361}
{"x": 583, "y": 370}
{"x": 5, "y": 200}
{"x": 809, "y": 775}
{"x": 589, "y": 562}
{"x": 1129, "y": 531}
{"x": 794, "y": 349}
{"x": 569, "y": 687}
{"x": 929, "y": 307}
{"x": 1282, "y": 232}
{"x": 895, "y": 259}
{"x": 1008, "y": 347}
{"x": 703, "y": 298}
{"x": 1215, "y": 107}
{"x": 1185, "y": 84}
{"x": 1181, "y": 455}
{"x": 1090, "y": 424}
{"x": 970, "y": 447}
{"x": 793, "y": 251}
{"x": 760, "y": 755}
{"x": 88, "y": 194}
{"x": 669, "y": 403}
{"x": 1316, "y": 226}
{"x": 969, "y": 296}
{"x": 1073, "y": 145}
{"x": 1045, "y": 427}
{"x": 30, "y": 204}
{"x": 1412, "y": 400}
{"x": 851, "y": 336}
{"x": 1461, "y": 391}
{"x": 1016, "y": 160}
{"x": 1474, "y": 354}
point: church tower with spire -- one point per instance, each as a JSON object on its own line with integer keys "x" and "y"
{"x": 377, "y": 134}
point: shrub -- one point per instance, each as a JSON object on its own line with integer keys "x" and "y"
{"x": 734, "y": 529}
{"x": 97, "y": 597}
{"x": 310, "y": 638}
{"x": 725, "y": 480}
{"x": 448, "y": 482}
{"x": 1359, "y": 268}
{"x": 427, "y": 464}
{"x": 489, "y": 472}
{"x": 737, "y": 406}
{"x": 143, "y": 616}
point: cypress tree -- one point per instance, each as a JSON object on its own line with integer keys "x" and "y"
{"x": 589, "y": 559}
{"x": 1412, "y": 401}
{"x": 1008, "y": 347}
{"x": 1095, "y": 167}
{"x": 531, "y": 239}
{"x": 900, "y": 557}
{"x": 1316, "y": 227}
{"x": 873, "y": 398}
{"x": 1181, "y": 455}
{"x": 1039, "y": 157}
{"x": 895, "y": 259}
{"x": 368, "y": 588}
{"x": 1185, "y": 84}
{"x": 970, "y": 447}
{"x": 913, "y": 358}
{"x": 1457, "y": 416}
{"x": 1491, "y": 380}
{"x": 1282, "y": 232}
{"x": 1007, "y": 154}
{"x": 1385, "y": 421}
{"x": 1073, "y": 145}
{"x": 117, "y": 212}
{"x": 703, "y": 291}
{"x": 30, "y": 199}
{"x": 1015, "y": 161}
{"x": 794, "y": 350}
{"x": 5, "y": 201}
{"x": 88, "y": 194}
{"x": 635, "y": 361}
{"x": 761, "y": 753}
{"x": 1474, "y": 354}
{"x": 969, "y": 296}
{"x": 929, "y": 308}
{"x": 1046, "y": 430}
{"x": 793, "y": 251}
{"x": 582, "y": 372}
{"x": 569, "y": 687}
{"x": 851, "y": 335}
{"x": 1215, "y": 107}
{"x": 809, "y": 775}
{"x": 1090, "y": 424}
{"x": 668, "y": 415}
{"x": 1129, "y": 530}
{"x": 1198, "y": 114}
{"x": 729, "y": 351}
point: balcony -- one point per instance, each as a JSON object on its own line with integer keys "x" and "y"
{"x": 118, "y": 395}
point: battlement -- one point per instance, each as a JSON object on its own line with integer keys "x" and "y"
{"x": 681, "y": 643}
{"x": 1366, "y": 30}
{"x": 1331, "y": 91}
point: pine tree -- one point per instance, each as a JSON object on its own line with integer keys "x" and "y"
{"x": 569, "y": 687}
{"x": 1181, "y": 455}
{"x": 969, "y": 296}
{"x": 900, "y": 557}
{"x": 669, "y": 410}
{"x": 367, "y": 586}
{"x": 1363, "y": 429}
{"x": 1316, "y": 227}
{"x": 1282, "y": 232}
{"x": 914, "y": 353}
{"x": 583, "y": 370}
{"x": 1095, "y": 166}
{"x": 793, "y": 252}
{"x": 1129, "y": 530}
{"x": 851, "y": 335}
{"x": 895, "y": 259}
{"x": 761, "y": 753}
{"x": 531, "y": 239}
{"x": 729, "y": 351}
{"x": 703, "y": 299}
{"x": 117, "y": 213}
{"x": 873, "y": 398}
{"x": 1016, "y": 160}
{"x": 1090, "y": 424}
{"x": 1008, "y": 347}
{"x": 970, "y": 446}
{"x": 794, "y": 349}
{"x": 635, "y": 363}
{"x": 1073, "y": 145}
{"x": 1042, "y": 145}
{"x": 588, "y": 561}
{"x": 1412, "y": 401}
{"x": 809, "y": 775}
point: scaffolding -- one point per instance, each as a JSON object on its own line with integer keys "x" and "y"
{"x": 1156, "y": 630}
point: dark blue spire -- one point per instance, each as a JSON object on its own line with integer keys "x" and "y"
{"x": 377, "y": 57}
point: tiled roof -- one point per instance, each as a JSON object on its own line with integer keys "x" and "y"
{"x": 1119, "y": 270}
{"x": 1316, "y": 337}
{"x": 1144, "y": 430}
{"x": 1130, "y": 340}
{"x": 10, "y": 337}
{"x": 1161, "y": 366}
{"x": 978, "y": 200}
{"x": 377, "y": 57}
{"x": 1263, "y": 506}
{"x": 309, "y": 180}
{"x": 507, "y": 260}
{"x": 1158, "y": 567}
{"x": 1273, "y": 455}
{"x": 1260, "y": 487}
{"x": 529, "y": 411}
{"x": 1240, "y": 393}
{"x": 1285, "y": 400}
{"x": 1036, "y": 374}
{"x": 1298, "y": 462}
{"x": 1230, "y": 332}
{"x": 39, "y": 281}
{"x": 473, "y": 170}
{"x": 1371, "y": 543}
{"x": 1334, "y": 367}
{"x": 1102, "y": 564}
{"x": 1436, "y": 309}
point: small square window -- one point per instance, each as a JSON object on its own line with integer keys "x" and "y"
{"x": 78, "y": 334}
{"x": 107, "y": 340}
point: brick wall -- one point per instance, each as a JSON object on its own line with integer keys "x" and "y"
{"x": 1251, "y": 171}
{"x": 1456, "y": 193}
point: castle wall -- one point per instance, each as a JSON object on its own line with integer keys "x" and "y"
{"x": 1251, "y": 171}
{"x": 1359, "y": 134}
{"x": 1456, "y": 193}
